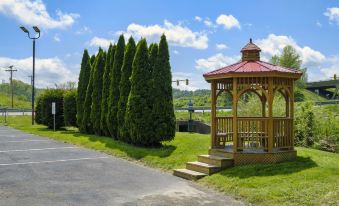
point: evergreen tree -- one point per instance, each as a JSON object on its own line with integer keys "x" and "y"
{"x": 162, "y": 110}
{"x": 124, "y": 88}
{"x": 153, "y": 53}
{"x": 92, "y": 60}
{"x": 87, "y": 126}
{"x": 114, "y": 93}
{"x": 105, "y": 89}
{"x": 98, "y": 71}
{"x": 138, "y": 116}
{"x": 85, "y": 71}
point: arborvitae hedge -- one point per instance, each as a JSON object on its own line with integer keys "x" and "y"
{"x": 38, "y": 110}
{"x": 162, "y": 110}
{"x": 98, "y": 71}
{"x": 124, "y": 88}
{"x": 112, "y": 122}
{"x": 139, "y": 111}
{"x": 153, "y": 53}
{"x": 105, "y": 90}
{"x": 85, "y": 70}
{"x": 53, "y": 95}
{"x": 70, "y": 108}
{"x": 87, "y": 126}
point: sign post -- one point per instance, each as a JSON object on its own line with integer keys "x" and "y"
{"x": 53, "y": 113}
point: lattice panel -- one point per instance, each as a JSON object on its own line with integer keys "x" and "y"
{"x": 263, "y": 158}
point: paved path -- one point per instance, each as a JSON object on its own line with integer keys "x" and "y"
{"x": 40, "y": 171}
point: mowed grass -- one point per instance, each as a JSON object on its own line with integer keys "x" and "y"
{"x": 312, "y": 179}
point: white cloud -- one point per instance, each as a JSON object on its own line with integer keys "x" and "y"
{"x": 84, "y": 30}
{"x": 57, "y": 38}
{"x": 215, "y": 62}
{"x": 228, "y": 21}
{"x": 221, "y": 46}
{"x": 274, "y": 45}
{"x": 198, "y": 18}
{"x": 48, "y": 71}
{"x": 319, "y": 66}
{"x": 100, "y": 42}
{"x": 333, "y": 14}
{"x": 35, "y": 13}
{"x": 176, "y": 52}
{"x": 208, "y": 23}
{"x": 177, "y": 35}
{"x": 196, "y": 81}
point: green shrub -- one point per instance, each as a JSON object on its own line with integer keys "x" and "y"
{"x": 70, "y": 108}
{"x": 38, "y": 110}
{"x": 305, "y": 125}
{"x": 57, "y": 96}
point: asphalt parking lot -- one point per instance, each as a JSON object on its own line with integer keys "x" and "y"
{"x": 39, "y": 171}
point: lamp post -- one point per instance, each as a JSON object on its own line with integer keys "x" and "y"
{"x": 37, "y": 30}
{"x": 190, "y": 121}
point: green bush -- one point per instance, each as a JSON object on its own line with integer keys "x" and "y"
{"x": 38, "y": 110}
{"x": 305, "y": 125}
{"x": 70, "y": 108}
{"x": 57, "y": 96}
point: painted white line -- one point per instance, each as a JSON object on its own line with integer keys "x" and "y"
{"x": 26, "y": 150}
{"x": 52, "y": 161}
{"x": 30, "y": 140}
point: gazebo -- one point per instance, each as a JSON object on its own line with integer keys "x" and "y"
{"x": 242, "y": 140}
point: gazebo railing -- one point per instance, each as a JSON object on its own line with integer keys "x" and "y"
{"x": 252, "y": 133}
{"x": 224, "y": 131}
{"x": 282, "y": 132}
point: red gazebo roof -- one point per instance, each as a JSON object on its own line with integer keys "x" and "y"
{"x": 253, "y": 67}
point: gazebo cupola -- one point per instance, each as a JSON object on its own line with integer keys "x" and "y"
{"x": 253, "y": 139}
{"x": 250, "y": 52}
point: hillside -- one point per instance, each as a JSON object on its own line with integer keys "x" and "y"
{"x": 22, "y": 94}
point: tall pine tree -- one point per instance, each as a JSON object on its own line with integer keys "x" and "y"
{"x": 138, "y": 116}
{"x": 105, "y": 89}
{"x": 124, "y": 88}
{"x": 114, "y": 93}
{"x": 87, "y": 126}
{"x": 85, "y": 71}
{"x": 153, "y": 53}
{"x": 98, "y": 71}
{"x": 162, "y": 110}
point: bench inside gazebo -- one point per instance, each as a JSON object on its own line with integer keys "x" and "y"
{"x": 238, "y": 140}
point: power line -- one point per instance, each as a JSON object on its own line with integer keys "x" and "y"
{"x": 11, "y": 70}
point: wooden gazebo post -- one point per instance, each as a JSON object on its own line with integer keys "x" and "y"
{"x": 235, "y": 114}
{"x": 270, "y": 114}
{"x": 213, "y": 114}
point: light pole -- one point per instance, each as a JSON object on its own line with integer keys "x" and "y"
{"x": 37, "y": 30}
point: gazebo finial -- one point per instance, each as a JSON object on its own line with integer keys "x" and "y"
{"x": 251, "y": 40}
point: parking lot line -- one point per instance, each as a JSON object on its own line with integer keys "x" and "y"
{"x": 52, "y": 161}
{"x": 31, "y": 140}
{"x": 26, "y": 150}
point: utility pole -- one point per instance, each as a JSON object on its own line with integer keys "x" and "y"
{"x": 11, "y": 70}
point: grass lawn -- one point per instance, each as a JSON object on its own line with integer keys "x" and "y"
{"x": 313, "y": 179}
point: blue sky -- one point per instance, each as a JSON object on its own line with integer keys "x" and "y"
{"x": 203, "y": 35}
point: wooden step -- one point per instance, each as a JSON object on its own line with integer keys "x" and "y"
{"x": 188, "y": 174}
{"x": 202, "y": 167}
{"x": 220, "y": 153}
{"x": 219, "y": 161}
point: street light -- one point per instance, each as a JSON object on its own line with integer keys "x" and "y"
{"x": 37, "y": 30}
{"x": 190, "y": 121}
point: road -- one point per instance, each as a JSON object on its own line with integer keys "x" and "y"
{"x": 39, "y": 171}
